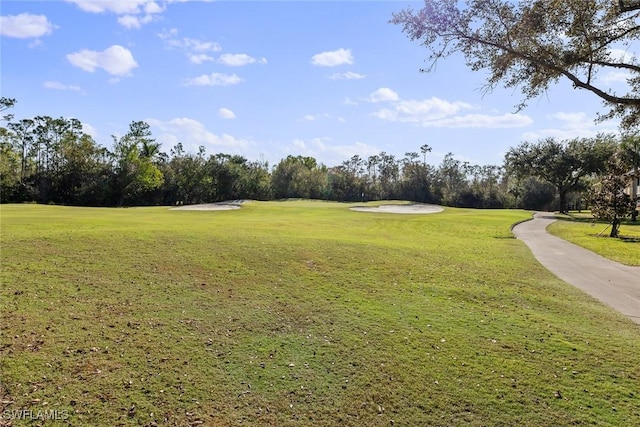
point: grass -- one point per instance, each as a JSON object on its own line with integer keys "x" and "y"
{"x": 583, "y": 230}
{"x": 300, "y": 313}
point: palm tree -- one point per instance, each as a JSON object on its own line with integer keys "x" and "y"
{"x": 424, "y": 149}
{"x": 149, "y": 149}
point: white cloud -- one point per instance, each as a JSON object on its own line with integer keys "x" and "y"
{"x": 482, "y": 121}
{"x": 618, "y": 76}
{"x": 383, "y": 94}
{"x": 573, "y": 120}
{"x": 225, "y": 113}
{"x": 25, "y": 25}
{"x": 349, "y": 75}
{"x": 239, "y": 59}
{"x": 61, "y": 86}
{"x": 119, "y": 7}
{"x": 436, "y": 112}
{"x": 413, "y": 111}
{"x": 34, "y": 43}
{"x": 152, "y": 7}
{"x": 621, "y": 55}
{"x": 183, "y": 129}
{"x": 615, "y": 77}
{"x": 213, "y": 79}
{"x": 199, "y": 58}
{"x": 350, "y": 102}
{"x": 132, "y": 21}
{"x": 314, "y": 117}
{"x": 322, "y": 149}
{"x": 90, "y": 130}
{"x": 129, "y": 21}
{"x": 187, "y": 43}
{"x": 131, "y": 13}
{"x": 571, "y": 125}
{"x": 169, "y": 34}
{"x": 332, "y": 58}
{"x": 199, "y": 45}
{"x": 115, "y": 60}
{"x": 195, "y": 49}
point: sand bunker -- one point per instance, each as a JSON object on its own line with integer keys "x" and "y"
{"x": 223, "y": 206}
{"x": 416, "y": 208}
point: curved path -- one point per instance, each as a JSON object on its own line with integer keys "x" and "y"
{"x": 614, "y": 284}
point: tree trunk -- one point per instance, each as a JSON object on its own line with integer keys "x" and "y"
{"x": 634, "y": 194}
{"x": 563, "y": 201}
{"x": 615, "y": 227}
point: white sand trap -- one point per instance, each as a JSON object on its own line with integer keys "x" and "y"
{"x": 224, "y": 206}
{"x": 416, "y": 208}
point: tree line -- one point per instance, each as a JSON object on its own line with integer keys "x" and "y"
{"x": 52, "y": 160}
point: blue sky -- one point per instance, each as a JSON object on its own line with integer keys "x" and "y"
{"x": 267, "y": 79}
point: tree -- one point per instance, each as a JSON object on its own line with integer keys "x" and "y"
{"x": 24, "y": 140}
{"x": 629, "y": 5}
{"x": 5, "y": 104}
{"x": 532, "y": 44}
{"x": 186, "y": 178}
{"x": 562, "y": 164}
{"x": 9, "y": 166}
{"x": 229, "y": 176}
{"x": 372, "y": 190}
{"x": 136, "y": 172}
{"x": 534, "y": 194}
{"x": 258, "y": 181}
{"x": 389, "y": 172}
{"x": 483, "y": 186}
{"x": 630, "y": 151}
{"x": 451, "y": 180}
{"x": 48, "y": 136}
{"x": 299, "y": 177}
{"x": 607, "y": 198}
{"x": 424, "y": 149}
{"x": 83, "y": 175}
{"x": 416, "y": 179}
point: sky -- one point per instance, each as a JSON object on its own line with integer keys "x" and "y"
{"x": 266, "y": 79}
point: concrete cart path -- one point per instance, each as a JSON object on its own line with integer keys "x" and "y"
{"x": 614, "y": 284}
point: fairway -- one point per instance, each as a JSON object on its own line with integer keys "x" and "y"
{"x": 299, "y": 313}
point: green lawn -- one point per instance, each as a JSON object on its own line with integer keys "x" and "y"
{"x": 581, "y": 229}
{"x": 300, "y": 313}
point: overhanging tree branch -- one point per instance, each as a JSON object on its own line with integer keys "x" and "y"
{"x": 628, "y": 5}
{"x": 550, "y": 66}
{"x": 532, "y": 43}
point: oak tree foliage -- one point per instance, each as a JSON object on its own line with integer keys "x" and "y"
{"x": 532, "y": 44}
{"x": 562, "y": 164}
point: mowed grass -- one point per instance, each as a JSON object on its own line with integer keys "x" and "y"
{"x": 300, "y": 313}
{"x": 581, "y": 229}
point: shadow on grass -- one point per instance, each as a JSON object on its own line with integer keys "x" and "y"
{"x": 578, "y": 217}
{"x": 587, "y": 218}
